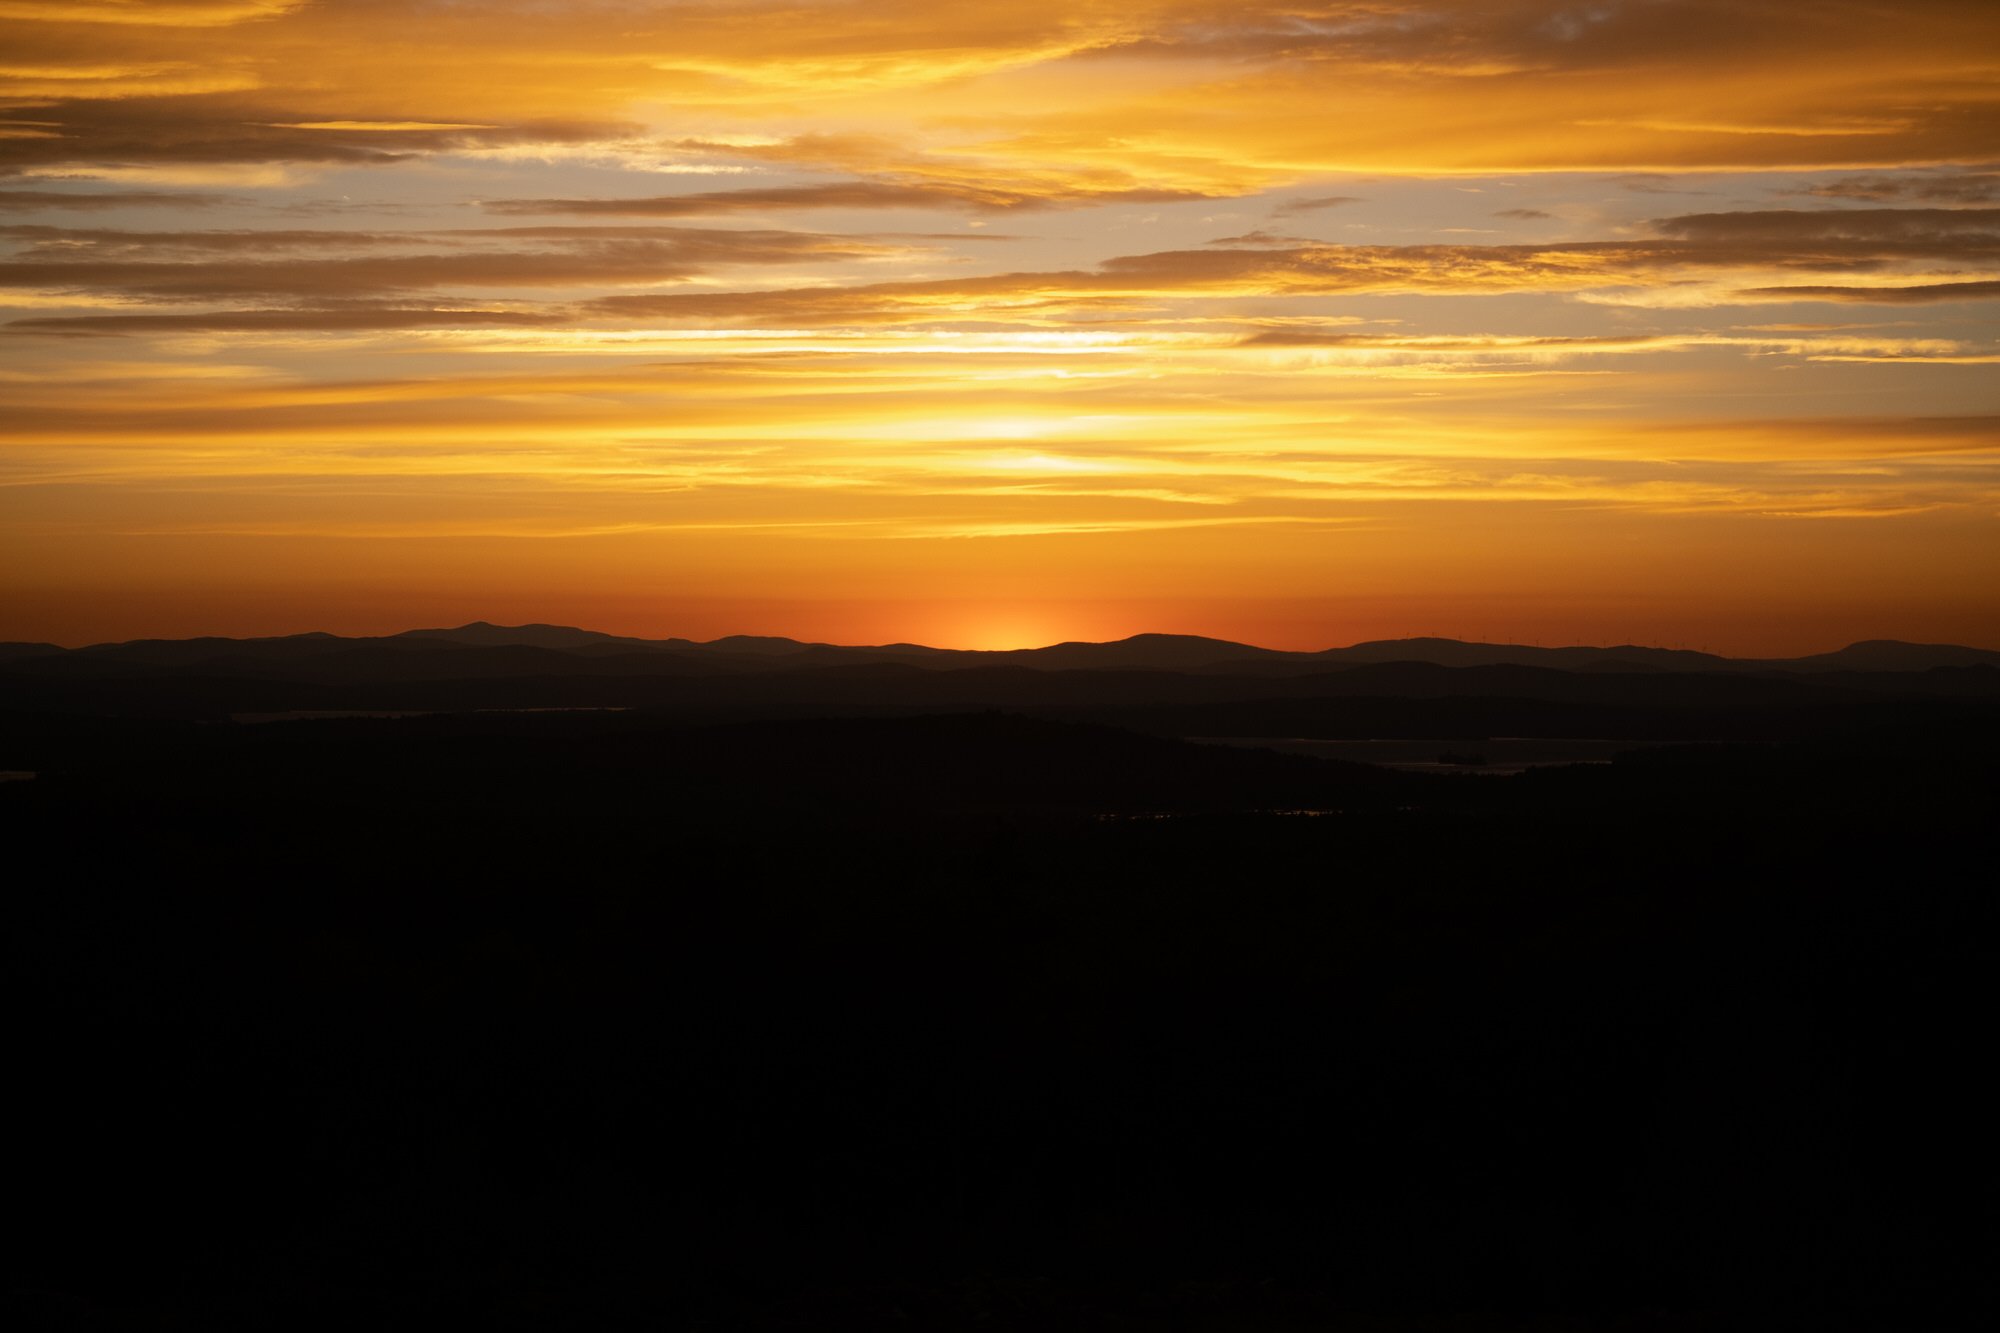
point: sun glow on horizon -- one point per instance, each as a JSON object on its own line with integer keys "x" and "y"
{"x": 1235, "y": 319}
{"x": 1002, "y": 628}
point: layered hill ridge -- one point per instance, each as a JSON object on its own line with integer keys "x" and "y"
{"x": 1142, "y": 652}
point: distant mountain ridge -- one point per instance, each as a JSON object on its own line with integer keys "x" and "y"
{"x": 1142, "y": 652}
{"x": 1164, "y": 684}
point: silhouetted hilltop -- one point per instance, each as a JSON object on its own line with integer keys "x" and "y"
{"x": 754, "y": 644}
{"x": 1891, "y": 655}
{"x": 561, "y": 637}
{"x": 1162, "y": 652}
{"x": 1453, "y": 652}
{"x": 186, "y": 652}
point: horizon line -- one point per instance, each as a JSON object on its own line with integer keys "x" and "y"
{"x": 1025, "y": 648}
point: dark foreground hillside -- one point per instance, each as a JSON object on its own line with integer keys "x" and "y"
{"x": 602, "y": 1020}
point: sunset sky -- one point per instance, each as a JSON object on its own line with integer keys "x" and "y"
{"x": 987, "y": 325}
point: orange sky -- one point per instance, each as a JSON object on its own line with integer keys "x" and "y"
{"x": 1297, "y": 323}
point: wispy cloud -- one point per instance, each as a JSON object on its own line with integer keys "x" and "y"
{"x": 1314, "y": 204}
{"x": 1947, "y": 187}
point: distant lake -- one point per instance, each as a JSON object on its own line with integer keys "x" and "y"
{"x": 1502, "y": 754}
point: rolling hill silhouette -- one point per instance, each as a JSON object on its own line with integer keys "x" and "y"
{"x": 1164, "y": 684}
{"x": 1162, "y": 652}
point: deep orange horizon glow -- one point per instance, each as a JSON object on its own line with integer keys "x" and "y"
{"x": 1299, "y": 324}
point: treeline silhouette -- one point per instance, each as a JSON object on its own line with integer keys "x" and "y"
{"x": 981, "y": 1019}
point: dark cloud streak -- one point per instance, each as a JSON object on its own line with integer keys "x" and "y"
{"x": 1293, "y": 207}
{"x": 232, "y": 129}
{"x": 316, "y": 269}
{"x": 1914, "y": 225}
{"x": 841, "y": 194}
{"x": 280, "y": 321}
{"x": 1923, "y": 294}
{"x": 143, "y": 266}
{"x": 33, "y": 201}
{"x": 1971, "y": 187}
{"x": 1791, "y": 241}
